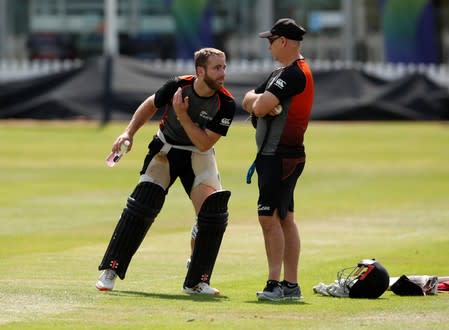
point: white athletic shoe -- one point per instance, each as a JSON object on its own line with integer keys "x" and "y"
{"x": 106, "y": 280}
{"x": 202, "y": 288}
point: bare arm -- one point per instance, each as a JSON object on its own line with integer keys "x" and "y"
{"x": 260, "y": 104}
{"x": 144, "y": 112}
{"x": 202, "y": 139}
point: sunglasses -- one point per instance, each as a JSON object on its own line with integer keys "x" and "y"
{"x": 273, "y": 39}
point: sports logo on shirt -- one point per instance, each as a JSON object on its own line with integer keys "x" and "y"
{"x": 205, "y": 115}
{"x": 280, "y": 83}
{"x": 225, "y": 122}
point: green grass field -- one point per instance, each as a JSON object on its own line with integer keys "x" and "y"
{"x": 376, "y": 190}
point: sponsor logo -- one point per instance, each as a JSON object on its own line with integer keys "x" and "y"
{"x": 205, "y": 115}
{"x": 263, "y": 208}
{"x": 225, "y": 122}
{"x": 114, "y": 264}
{"x": 280, "y": 83}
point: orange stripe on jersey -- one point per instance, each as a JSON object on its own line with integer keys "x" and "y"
{"x": 298, "y": 112}
{"x": 187, "y": 77}
{"x": 226, "y": 92}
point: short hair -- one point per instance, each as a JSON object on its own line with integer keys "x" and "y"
{"x": 201, "y": 56}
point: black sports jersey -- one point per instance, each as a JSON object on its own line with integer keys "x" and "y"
{"x": 293, "y": 86}
{"x": 214, "y": 113}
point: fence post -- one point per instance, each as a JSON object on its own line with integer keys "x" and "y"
{"x": 107, "y": 87}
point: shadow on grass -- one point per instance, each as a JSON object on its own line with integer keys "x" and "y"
{"x": 281, "y": 302}
{"x": 193, "y": 297}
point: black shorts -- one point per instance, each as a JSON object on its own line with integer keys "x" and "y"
{"x": 277, "y": 179}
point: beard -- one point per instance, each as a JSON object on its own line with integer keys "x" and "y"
{"x": 211, "y": 83}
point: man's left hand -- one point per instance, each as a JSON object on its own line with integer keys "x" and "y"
{"x": 180, "y": 104}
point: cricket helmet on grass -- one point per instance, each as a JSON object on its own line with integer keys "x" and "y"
{"x": 369, "y": 279}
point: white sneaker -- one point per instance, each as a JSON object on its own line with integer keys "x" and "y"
{"x": 202, "y": 288}
{"x": 106, "y": 280}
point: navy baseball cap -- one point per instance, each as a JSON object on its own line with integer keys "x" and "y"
{"x": 285, "y": 27}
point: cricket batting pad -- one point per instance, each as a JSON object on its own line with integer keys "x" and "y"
{"x": 212, "y": 222}
{"x": 137, "y": 217}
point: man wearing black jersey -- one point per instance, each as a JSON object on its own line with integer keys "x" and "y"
{"x": 281, "y": 107}
{"x": 197, "y": 111}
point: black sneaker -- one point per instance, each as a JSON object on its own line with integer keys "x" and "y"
{"x": 291, "y": 291}
{"x": 272, "y": 291}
